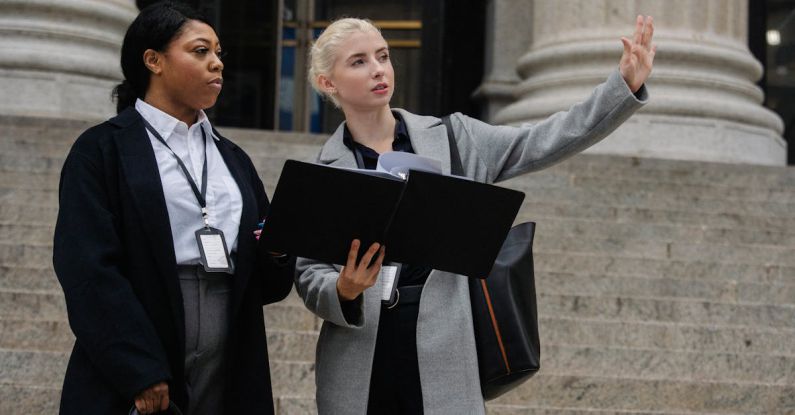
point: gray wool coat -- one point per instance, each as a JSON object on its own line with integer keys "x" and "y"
{"x": 445, "y": 342}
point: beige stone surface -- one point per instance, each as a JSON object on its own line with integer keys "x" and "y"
{"x": 704, "y": 104}
{"x": 60, "y": 58}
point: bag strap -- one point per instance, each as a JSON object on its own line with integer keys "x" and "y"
{"x": 456, "y": 167}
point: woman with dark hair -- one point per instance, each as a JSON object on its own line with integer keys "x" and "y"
{"x": 155, "y": 246}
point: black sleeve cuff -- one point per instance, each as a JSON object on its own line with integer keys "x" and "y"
{"x": 352, "y": 310}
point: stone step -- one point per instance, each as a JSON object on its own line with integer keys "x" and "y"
{"x": 781, "y": 195}
{"x": 686, "y": 172}
{"x": 618, "y": 190}
{"x": 602, "y": 393}
{"x": 751, "y": 254}
{"x": 17, "y": 399}
{"x": 675, "y": 172}
{"x": 295, "y": 405}
{"x": 699, "y": 269}
{"x": 547, "y": 281}
{"x": 37, "y": 253}
{"x": 29, "y": 214}
{"x": 38, "y": 131}
{"x": 270, "y": 163}
{"x": 627, "y": 233}
{"x": 34, "y": 148}
{"x": 23, "y": 399}
{"x": 664, "y": 232}
{"x": 42, "y": 156}
{"x": 603, "y": 360}
{"x": 39, "y": 181}
{"x": 38, "y": 368}
{"x": 776, "y": 188}
{"x": 32, "y": 305}
{"x": 662, "y": 396}
{"x": 292, "y": 334}
{"x": 298, "y": 405}
{"x": 716, "y": 213}
{"x": 541, "y": 210}
{"x": 25, "y": 255}
{"x": 47, "y": 306}
{"x": 650, "y": 198}
{"x": 45, "y": 211}
{"x": 17, "y": 260}
{"x": 600, "y": 191}
{"x": 493, "y": 409}
{"x": 45, "y": 369}
{"x": 666, "y": 364}
{"x": 643, "y": 309}
{"x": 41, "y": 279}
{"x": 11, "y": 162}
{"x": 23, "y": 233}
{"x": 36, "y": 335}
{"x": 728, "y": 291}
{"x": 29, "y": 197}
{"x": 677, "y": 336}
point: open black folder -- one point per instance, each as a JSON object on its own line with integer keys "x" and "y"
{"x": 448, "y": 223}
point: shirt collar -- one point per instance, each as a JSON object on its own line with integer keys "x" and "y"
{"x": 165, "y": 124}
{"x": 401, "y": 133}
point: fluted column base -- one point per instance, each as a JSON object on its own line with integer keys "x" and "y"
{"x": 704, "y": 102}
{"x": 60, "y": 58}
{"x": 694, "y": 139}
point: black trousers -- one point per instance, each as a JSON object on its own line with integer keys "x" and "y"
{"x": 395, "y": 381}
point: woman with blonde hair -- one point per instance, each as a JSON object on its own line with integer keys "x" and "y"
{"x": 418, "y": 355}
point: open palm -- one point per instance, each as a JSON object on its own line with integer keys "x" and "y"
{"x": 638, "y": 57}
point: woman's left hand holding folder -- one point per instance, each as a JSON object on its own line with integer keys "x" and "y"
{"x": 355, "y": 278}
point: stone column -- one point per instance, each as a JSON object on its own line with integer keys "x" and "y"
{"x": 508, "y": 34}
{"x": 60, "y": 58}
{"x": 704, "y": 105}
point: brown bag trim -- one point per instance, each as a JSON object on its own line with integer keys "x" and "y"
{"x": 496, "y": 327}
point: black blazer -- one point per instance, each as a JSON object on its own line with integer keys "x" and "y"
{"x": 114, "y": 257}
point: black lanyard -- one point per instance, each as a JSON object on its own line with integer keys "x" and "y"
{"x": 200, "y": 196}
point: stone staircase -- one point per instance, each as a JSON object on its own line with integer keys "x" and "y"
{"x": 664, "y": 287}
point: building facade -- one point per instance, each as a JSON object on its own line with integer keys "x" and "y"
{"x": 505, "y": 61}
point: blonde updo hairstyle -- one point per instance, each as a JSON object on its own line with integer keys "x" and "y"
{"x": 323, "y": 54}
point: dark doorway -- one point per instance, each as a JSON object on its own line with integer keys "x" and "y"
{"x": 771, "y": 38}
{"x": 437, "y": 50}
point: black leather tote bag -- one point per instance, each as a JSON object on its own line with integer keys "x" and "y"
{"x": 504, "y": 310}
{"x": 505, "y": 316}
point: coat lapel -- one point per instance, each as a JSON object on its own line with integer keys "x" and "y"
{"x": 248, "y": 219}
{"x": 140, "y": 171}
{"x": 335, "y": 153}
{"x": 428, "y": 137}
{"x": 427, "y": 134}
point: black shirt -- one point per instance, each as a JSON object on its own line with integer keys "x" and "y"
{"x": 409, "y": 274}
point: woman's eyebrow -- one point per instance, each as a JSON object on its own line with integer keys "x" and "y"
{"x": 356, "y": 55}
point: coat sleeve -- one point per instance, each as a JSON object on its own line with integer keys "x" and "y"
{"x": 316, "y": 283}
{"x": 506, "y": 152}
{"x": 108, "y": 320}
{"x": 277, "y": 273}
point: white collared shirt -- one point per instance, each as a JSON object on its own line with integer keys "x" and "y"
{"x": 224, "y": 202}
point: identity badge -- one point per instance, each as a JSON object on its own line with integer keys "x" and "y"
{"x": 213, "y": 250}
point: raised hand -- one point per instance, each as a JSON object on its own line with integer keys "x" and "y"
{"x": 355, "y": 278}
{"x": 638, "y": 57}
